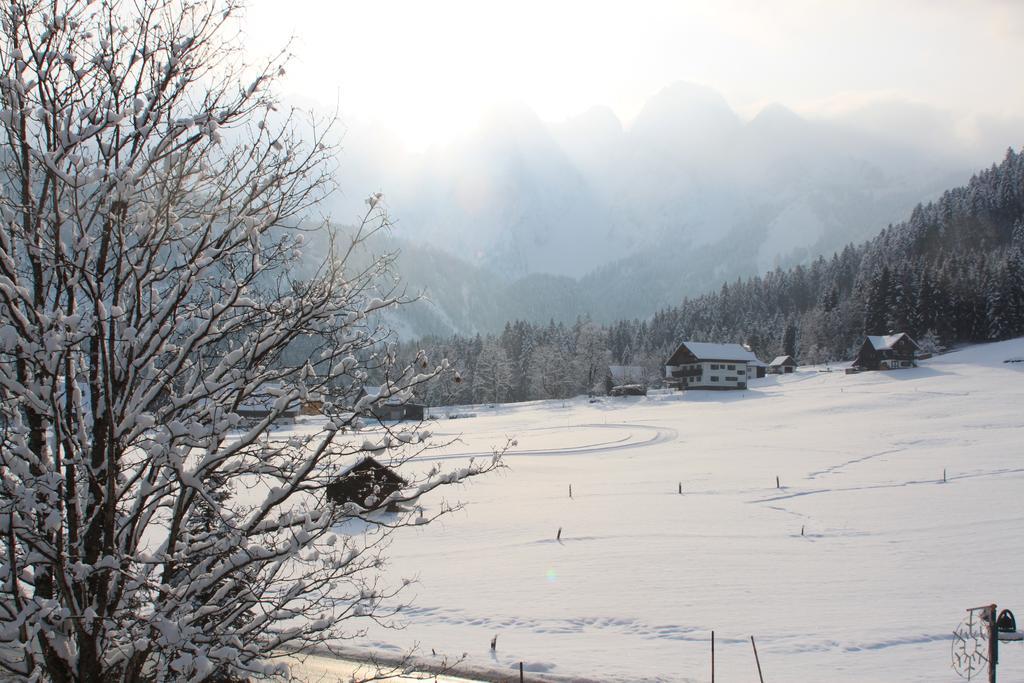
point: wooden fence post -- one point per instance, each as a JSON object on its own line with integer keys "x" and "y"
{"x": 756, "y": 658}
{"x": 521, "y": 672}
{"x": 712, "y": 657}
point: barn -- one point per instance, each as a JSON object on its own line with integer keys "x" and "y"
{"x": 702, "y": 365}
{"x": 782, "y": 365}
{"x": 367, "y": 483}
{"x": 887, "y": 352}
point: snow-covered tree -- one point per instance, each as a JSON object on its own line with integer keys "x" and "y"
{"x": 592, "y": 356}
{"x": 492, "y": 377}
{"x": 550, "y": 373}
{"x": 153, "y": 202}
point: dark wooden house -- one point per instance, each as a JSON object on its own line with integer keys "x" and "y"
{"x": 367, "y": 483}
{"x": 782, "y": 365}
{"x": 887, "y": 352}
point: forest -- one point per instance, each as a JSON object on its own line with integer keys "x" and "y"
{"x": 952, "y": 273}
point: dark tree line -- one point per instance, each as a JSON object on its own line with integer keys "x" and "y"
{"x": 951, "y": 273}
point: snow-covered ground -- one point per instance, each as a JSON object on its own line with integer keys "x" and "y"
{"x": 889, "y": 559}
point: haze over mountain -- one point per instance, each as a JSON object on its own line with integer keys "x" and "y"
{"x": 591, "y": 217}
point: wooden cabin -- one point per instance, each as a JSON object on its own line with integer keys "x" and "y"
{"x": 367, "y": 483}
{"x": 701, "y": 365}
{"x": 782, "y": 365}
{"x": 887, "y": 352}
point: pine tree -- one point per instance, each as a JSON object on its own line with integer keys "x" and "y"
{"x": 876, "y": 312}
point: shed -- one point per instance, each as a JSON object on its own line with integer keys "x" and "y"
{"x": 782, "y": 365}
{"x": 625, "y": 376}
{"x": 366, "y": 483}
{"x": 394, "y": 408}
{"x": 265, "y": 400}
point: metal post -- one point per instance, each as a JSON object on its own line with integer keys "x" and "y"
{"x": 521, "y": 679}
{"x": 993, "y": 644}
{"x": 712, "y": 657}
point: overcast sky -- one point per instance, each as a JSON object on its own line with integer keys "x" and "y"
{"x": 426, "y": 70}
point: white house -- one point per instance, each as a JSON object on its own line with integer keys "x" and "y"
{"x": 700, "y": 365}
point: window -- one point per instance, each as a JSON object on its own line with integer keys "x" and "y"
{"x": 730, "y": 379}
{"x": 741, "y": 372}
{"x": 732, "y": 366}
{"x": 714, "y": 378}
{"x": 714, "y": 366}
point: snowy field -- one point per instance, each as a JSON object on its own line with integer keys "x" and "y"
{"x": 889, "y": 559}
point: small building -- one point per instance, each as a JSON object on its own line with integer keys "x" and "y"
{"x": 394, "y": 408}
{"x": 413, "y": 411}
{"x": 701, "y": 365}
{"x": 756, "y": 367}
{"x": 628, "y": 390}
{"x": 367, "y": 483}
{"x": 887, "y": 352}
{"x": 265, "y": 400}
{"x": 630, "y": 380}
{"x": 782, "y": 365}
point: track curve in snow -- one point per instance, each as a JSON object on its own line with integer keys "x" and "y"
{"x": 654, "y": 435}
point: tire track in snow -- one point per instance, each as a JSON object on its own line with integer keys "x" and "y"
{"x": 661, "y": 435}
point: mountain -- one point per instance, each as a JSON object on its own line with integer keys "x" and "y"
{"x": 591, "y": 217}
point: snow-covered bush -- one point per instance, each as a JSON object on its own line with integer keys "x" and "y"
{"x": 153, "y": 204}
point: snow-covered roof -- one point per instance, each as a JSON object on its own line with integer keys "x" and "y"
{"x": 267, "y": 398}
{"x": 627, "y": 373}
{"x": 733, "y": 352}
{"x": 357, "y": 460}
{"x": 886, "y": 342}
{"x": 781, "y": 360}
{"x": 396, "y": 399}
{"x": 374, "y": 391}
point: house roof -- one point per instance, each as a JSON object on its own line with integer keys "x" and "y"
{"x": 727, "y": 352}
{"x": 782, "y": 360}
{"x": 886, "y": 342}
{"x": 360, "y": 460}
{"x": 396, "y": 399}
{"x": 269, "y": 397}
{"x": 627, "y": 373}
